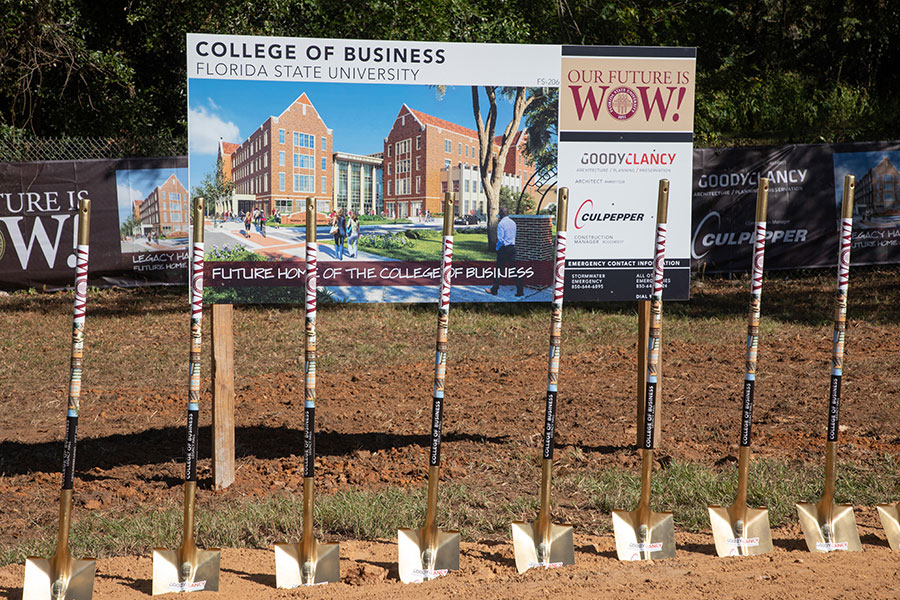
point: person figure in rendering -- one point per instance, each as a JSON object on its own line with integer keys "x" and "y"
{"x": 340, "y": 233}
{"x": 506, "y": 251}
{"x": 353, "y": 234}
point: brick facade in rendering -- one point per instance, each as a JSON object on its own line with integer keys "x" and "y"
{"x": 878, "y": 191}
{"x": 165, "y": 209}
{"x": 286, "y": 160}
{"x": 425, "y": 156}
{"x": 534, "y": 237}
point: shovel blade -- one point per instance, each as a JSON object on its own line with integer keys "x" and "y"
{"x": 39, "y": 580}
{"x": 890, "y": 520}
{"x": 733, "y": 538}
{"x": 526, "y": 547}
{"x": 410, "y": 555}
{"x": 169, "y": 576}
{"x": 323, "y": 567}
{"x": 841, "y": 523}
{"x": 633, "y": 542}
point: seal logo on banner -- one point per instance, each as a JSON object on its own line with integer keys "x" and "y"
{"x": 622, "y": 103}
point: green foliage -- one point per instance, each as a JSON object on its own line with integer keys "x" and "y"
{"x": 767, "y": 71}
{"x": 379, "y": 220}
{"x": 386, "y": 241}
{"x": 130, "y": 224}
{"x": 235, "y": 252}
{"x": 214, "y": 187}
{"x": 511, "y": 201}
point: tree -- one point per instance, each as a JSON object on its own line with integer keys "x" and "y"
{"x": 490, "y": 159}
{"x": 215, "y": 188}
{"x": 129, "y": 226}
{"x": 510, "y": 200}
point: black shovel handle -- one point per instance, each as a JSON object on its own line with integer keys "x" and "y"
{"x": 840, "y": 308}
{"x": 756, "y": 279}
{"x": 653, "y": 344}
{"x": 193, "y": 413}
{"x": 76, "y": 363}
{"x": 440, "y": 355}
{"x": 309, "y": 387}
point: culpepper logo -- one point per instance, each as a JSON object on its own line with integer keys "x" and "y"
{"x": 586, "y": 213}
{"x": 578, "y": 222}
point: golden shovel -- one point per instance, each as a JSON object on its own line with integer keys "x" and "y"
{"x": 542, "y": 543}
{"x": 740, "y": 530}
{"x": 890, "y": 520}
{"x": 828, "y": 526}
{"x": 309, "y": 562}
{"x": 642, "y": 534}
{"x": 190, "y": 569}
{"x": 429, "y": 552}
{"x": 63, "y": 577}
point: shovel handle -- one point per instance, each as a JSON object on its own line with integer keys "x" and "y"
{"x": 440, "y": 355}
{"x": 840, "y": 308}
{"x": 556, "y": 322}
{"x": 653, "y": 342}
{"x": 190, "y": 467}
{"x": 76, "y": 363}
{"x": 309, "y": 367}
{"x": 756, "y": 279}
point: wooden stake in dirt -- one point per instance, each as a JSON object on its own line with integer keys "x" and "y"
{"x": 309, "y": 562}
{"x": 542, "y": 543}
{"x": 642, "y": 534}
{"x": 190, "y": 569}
{"x": 223, "y": 395}
{"x": 429, "y": 552}
{"x": 63, "y": 576}
{"x": 828, "y": 526}
{"x": 740, "y": 530}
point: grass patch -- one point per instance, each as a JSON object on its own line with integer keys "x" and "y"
{"x": 466, "y": 246}
{"x": 687, "y": 488}
{"x": 349, "y": 514}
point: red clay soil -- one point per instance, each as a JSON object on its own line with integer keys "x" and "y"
{"x": 372, "y": 433}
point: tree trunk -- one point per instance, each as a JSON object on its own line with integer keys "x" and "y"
{"x": 491, "y": 163}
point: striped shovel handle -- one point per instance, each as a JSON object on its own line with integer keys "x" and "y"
{"x": 76, "y": 362}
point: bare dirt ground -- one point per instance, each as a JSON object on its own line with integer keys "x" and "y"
{"x": 372, "y": 423}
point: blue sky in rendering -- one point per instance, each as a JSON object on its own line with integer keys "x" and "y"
{"x": 136, "y": 184}
{"x": 858, "y": 164}
{"x": 360, "y": 115}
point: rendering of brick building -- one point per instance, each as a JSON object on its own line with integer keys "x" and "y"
{"x": 165, "y": 209}
{"x": 425, "y": 156}
{"x": 285, "y": 161}
{"x": 878, "y": 191}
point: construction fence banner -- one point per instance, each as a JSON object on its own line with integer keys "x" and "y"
{"x": 806, "y": 184}
{"x": 39, "y": 222}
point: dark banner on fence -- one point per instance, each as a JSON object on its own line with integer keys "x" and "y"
{"x": 139, "y": 221}
{"x": 806, "y": 186}
{"x": 140, "y": 215}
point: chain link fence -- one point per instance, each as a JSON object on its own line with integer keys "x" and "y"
{"x": 18, "y": 146}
